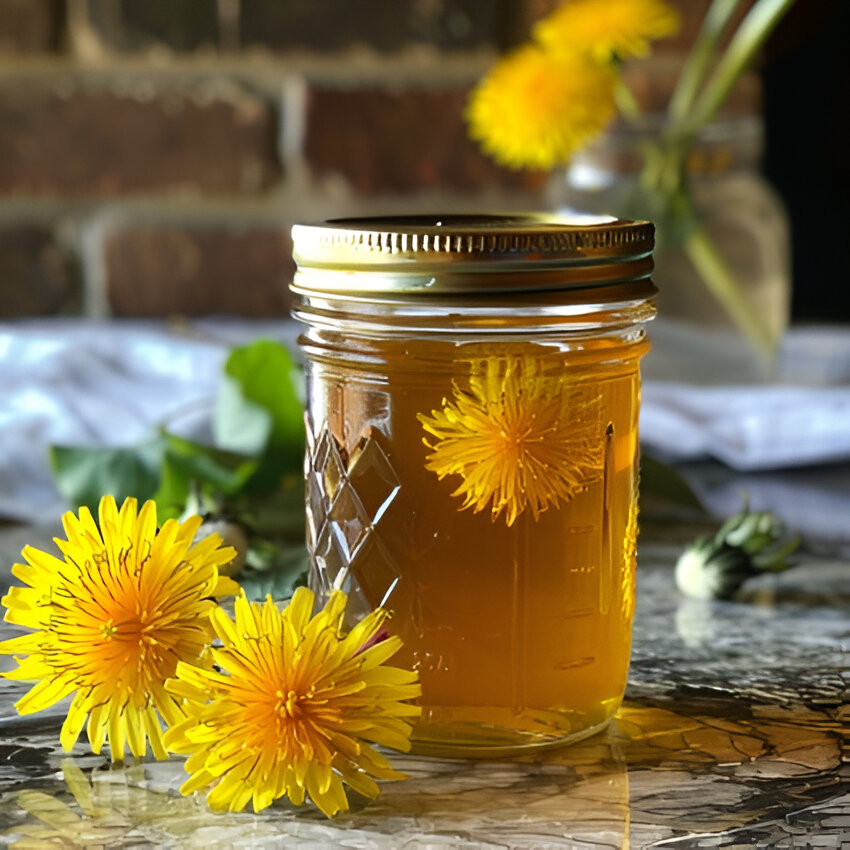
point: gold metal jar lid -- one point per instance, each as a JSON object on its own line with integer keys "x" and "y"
{"x": 477, "y": 255}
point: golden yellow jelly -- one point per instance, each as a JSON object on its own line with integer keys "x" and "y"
{"x": 472, "y": 467}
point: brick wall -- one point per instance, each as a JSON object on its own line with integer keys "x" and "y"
{"x": 154, "y": 154}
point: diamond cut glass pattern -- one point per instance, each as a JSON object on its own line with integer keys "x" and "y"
{"x": 374, "y": 479}
{"x": 349, "y": 520}
{"x": 346, "y": 498}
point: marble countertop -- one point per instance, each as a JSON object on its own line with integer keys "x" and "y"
{"x": 734, "y": 733}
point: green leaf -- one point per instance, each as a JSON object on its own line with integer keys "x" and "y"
{"x": 214, "y": 471}
{"x": 240, "y": 425}
{"x": 662, "y": 480}
{"x": 278, "y": 515}
{"x": 83, "y": 475}
{"x": 258, "y": 409}
{"x": 259, "y": 424}
{"x": 281, "y": 579}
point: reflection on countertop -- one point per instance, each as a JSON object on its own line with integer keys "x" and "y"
{"x": 734, "y": 733}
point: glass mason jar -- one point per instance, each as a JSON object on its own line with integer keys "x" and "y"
{"x": 741, "y": 236}
{"x": 473, "y": 392}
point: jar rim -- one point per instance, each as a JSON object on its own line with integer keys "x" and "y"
{"x": 425, "y": 255}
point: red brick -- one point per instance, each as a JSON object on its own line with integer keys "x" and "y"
{"x": 102, "y": 143}
{"x": 194, "y": 271}
{"x": 179, "y": 25}
{"x": 30, "y": 26}
{"x": 37, "y": 276}
{"x": 327, "y": 25}
{"x": 389, "y": 141}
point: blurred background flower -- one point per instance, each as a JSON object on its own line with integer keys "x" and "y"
{"x": 615, "y": 29}
{"x": 524, "y": 119}
{"x": 536, "y": 108}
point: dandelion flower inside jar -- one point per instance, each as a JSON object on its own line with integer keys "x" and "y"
{"x": 472, "y": 391}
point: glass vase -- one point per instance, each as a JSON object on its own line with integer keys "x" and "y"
{"x": 722, "y": 260}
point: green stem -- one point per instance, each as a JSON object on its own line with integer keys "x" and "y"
{"x": 663, "y": 177}
{"x": 700, "y": 58}
{"x": 626, "y": 102}
{"x": 748, "y": 39}
{"x": 722, "y": 284}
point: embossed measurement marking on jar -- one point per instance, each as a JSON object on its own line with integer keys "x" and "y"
{"x": 577, "y": 613}
{"x": 573, "y": 626}
{"x": 584, "y": 661}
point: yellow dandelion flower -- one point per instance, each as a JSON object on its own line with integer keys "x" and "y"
{"x": 534, "y": 110}
{"x": 605, "y": 29}
{"x": 518, "y": 439}
{"x": 114, "y": 618}
{"x": 294, "y": 707}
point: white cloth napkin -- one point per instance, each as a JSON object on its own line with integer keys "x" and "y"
{"x": 748, "y": 428}
{"x": 74, "y": 382}
{"x": 798, "y": 418}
